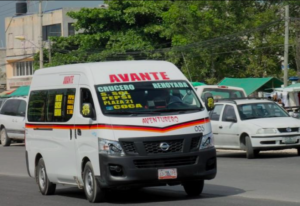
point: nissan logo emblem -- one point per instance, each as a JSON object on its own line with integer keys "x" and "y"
{"x": 164, "y": 146}
{"x": 288, "y": 129}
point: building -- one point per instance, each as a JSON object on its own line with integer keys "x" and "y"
{"x": 2, "y": 69}
{"x": 22, "y": 41}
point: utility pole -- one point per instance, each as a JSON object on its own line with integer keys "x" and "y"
{"x": 41, "y": 34}
{"x": 286, "y": 45}
{"x": 49, "y": 50}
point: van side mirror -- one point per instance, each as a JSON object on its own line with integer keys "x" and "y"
{"x": 209, "y": 103}
{"x": 87, "y": 110}
{"x": 230, "y": 119}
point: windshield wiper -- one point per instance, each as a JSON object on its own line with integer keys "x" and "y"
{"x": 132, "y": 113}
{"x": 177, "y": 110}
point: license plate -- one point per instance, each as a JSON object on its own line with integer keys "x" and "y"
{"x": 164, "y": 174}
{"x": 289, "y": 140}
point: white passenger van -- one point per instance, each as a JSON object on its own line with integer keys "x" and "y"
{"x": 117, "y": 125}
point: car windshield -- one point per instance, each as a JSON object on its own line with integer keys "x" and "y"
{"x": 221, "y": 93}
{"x": 147, "y": 97}
{"x": 261, "y": 110}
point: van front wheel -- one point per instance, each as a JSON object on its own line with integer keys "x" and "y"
{"x": 46, "y": 187}
{"x": 193, "y": 188}
{"x": 92, "y": 188}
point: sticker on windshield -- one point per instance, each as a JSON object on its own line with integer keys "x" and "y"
{"x": 119, "y": 100}
{"x": 116, "y": 88}
{"x": 57, "y": 105}
{"x": 165, "y": 85}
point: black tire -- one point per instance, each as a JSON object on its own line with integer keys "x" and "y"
{"x": 92, "y": 189}
{"x": 46, "y": 187}
{"x": 298, "y": 151}
{"x": 193, "y": 188}
{"x": 256, "y": 152}
{"x": 250, "y": 153}
{"x": 5, "y": 140}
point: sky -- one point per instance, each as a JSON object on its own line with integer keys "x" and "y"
{"x": 8, "y": 9}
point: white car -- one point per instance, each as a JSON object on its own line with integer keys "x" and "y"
{"x": 253, "y": 125}
{"x": 12, "y": 120}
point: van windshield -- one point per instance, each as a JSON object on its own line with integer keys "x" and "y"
{"x": 147, "y": 97}
{"x": 220, "y": 93}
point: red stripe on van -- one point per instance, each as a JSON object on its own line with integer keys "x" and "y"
{"x": 120, "y": 127}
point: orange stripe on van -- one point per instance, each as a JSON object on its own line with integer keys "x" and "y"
{"x": 121, "y": 127}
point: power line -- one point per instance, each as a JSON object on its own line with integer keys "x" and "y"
{"x": 216, "y": 42}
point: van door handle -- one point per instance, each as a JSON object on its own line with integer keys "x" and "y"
{"x": 79, "y": 132}
{"x": 70, "y": 134}
{"x": 220, "y": 127}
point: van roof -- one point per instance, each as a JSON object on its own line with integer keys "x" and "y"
{"x": 119, "y": 71}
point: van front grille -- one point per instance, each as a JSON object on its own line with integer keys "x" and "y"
{"x": 165, "y": 162}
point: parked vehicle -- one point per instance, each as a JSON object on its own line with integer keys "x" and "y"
{"x": 254, "y": 125}
{"x": 12, "y": 120}
{"x": 2, "y": 100}
{"x": 219, "y": 92}
{"x": 117, "y": 125}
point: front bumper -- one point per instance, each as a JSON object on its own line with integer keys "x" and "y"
{"x": 204, "y": 168}
{"x": 283, "y": 141}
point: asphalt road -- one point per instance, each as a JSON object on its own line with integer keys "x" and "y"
{"x": 272, "y": 179}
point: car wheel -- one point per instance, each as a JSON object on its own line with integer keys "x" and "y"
{"x": 5, "y": 140}
{"x": 46, "y": 187}
{"x": 298, "y": 151}
{"x": 193, "y": 188}
{"x": 92, "y": 188}
{"x": 250, "y": 152}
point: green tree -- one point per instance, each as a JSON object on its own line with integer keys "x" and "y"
{"x": 125, "y": 27}
{"x": 207, "y": 40}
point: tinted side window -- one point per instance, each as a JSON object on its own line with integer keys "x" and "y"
{"x": 10, "y": 107}
{"x": 216, "y": 113}
{"x": 228, "y": 111}
{"x": 21, "y": 108}
{"x": 36, "y": 104}
{"x": 51, "y": 106}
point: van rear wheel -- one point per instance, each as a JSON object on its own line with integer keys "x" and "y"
{"x": 46, "y": 187}
{"x": 92, "y": 188}
{"x": 194, "y": 188}
{"x": 5, "y": 140}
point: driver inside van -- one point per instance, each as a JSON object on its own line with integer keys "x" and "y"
{"x": 164, "y": 95}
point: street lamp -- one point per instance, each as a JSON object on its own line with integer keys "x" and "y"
{"x": 22, "y": 38}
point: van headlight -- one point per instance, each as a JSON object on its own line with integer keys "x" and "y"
{"x": 267, "y": 131}
{"x": 110, "y": 147}
{"x": 207, "y": 141}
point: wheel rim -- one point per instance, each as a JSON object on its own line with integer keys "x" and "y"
{"x": 89, "y": 183}
{"x": 42, "y": 178}
{"x": 3, "y": 137}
